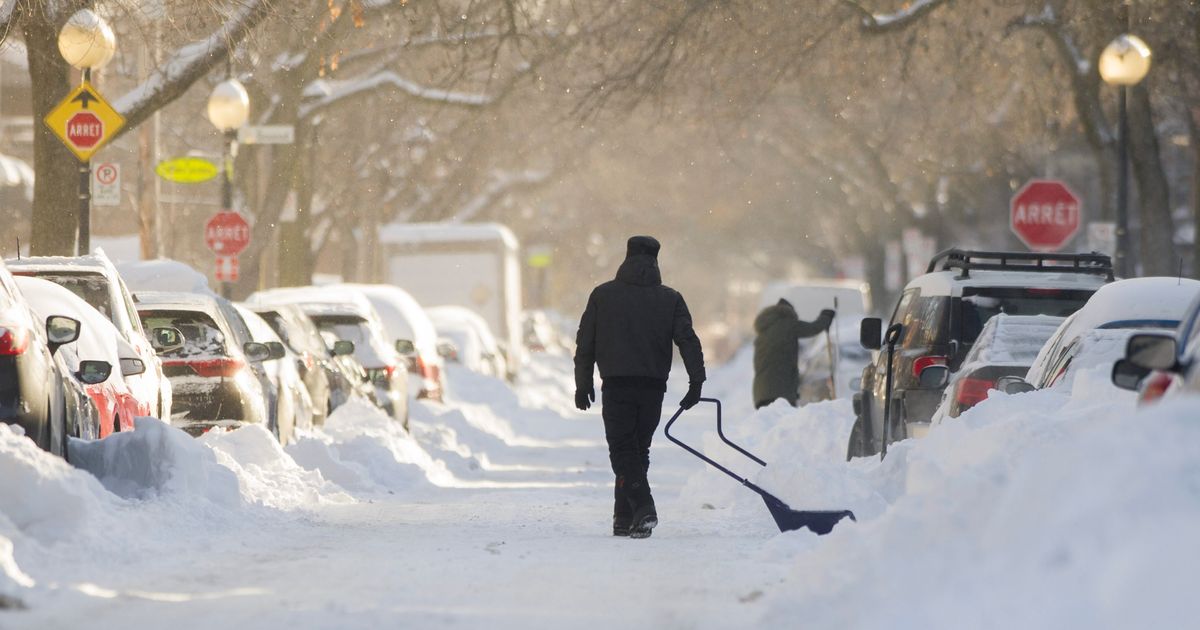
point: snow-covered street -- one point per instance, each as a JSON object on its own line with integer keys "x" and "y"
{"x": 1041, "y": 510}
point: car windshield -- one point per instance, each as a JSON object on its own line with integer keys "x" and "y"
{"x": 90, "y": 287}
{"x": 981, "y": 304}
{"x": 201, "y": 336}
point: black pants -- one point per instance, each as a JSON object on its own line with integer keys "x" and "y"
{"x": 631, "y": 416}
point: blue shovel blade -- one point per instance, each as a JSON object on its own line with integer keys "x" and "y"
{"x": 820, "y": 522}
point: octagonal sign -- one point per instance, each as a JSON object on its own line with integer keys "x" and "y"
{"x": 1045, "y": 215}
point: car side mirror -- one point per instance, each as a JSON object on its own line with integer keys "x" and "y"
{"x": 256, "y": 352}
{"x": 1128, "y": 375}
{"x": 277, "y": 350}
{"x": 166, "y": 339}
{"x": 61, "y": 330}
{"x": 1014, "y": 385}
{"x": 934, "y": 377}
{"x": 1151, "y": 352}
{"x": 132, "y": 367}
{"x": 406, "y": 347}
{"x": 93, "y": 372}
{"x": 870, "y": 333}
{"x": 342, "y": 348}
{"x": 447, "y": 351}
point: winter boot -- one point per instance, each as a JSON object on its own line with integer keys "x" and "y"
{"x": 645, "y": 518}
{"x": 622, "y": 512}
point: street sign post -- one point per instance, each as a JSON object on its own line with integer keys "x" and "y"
{"x": 227, "y": 233}
{"x": 267, "y": 134}
{"x": 106, "y": 184}
{"x": 84, "y": 121}
{"x": 1045, "y": 215}
{"x": 187, "y": 170}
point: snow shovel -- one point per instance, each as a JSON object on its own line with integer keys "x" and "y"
{"x": 818, "y": 521}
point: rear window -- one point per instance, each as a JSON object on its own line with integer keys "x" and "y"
{"x": 925, "y": 322}
{"x": 352, "y": 328}
{"x": 295, "y": 337}
{"x": 201, "y": 335}
{"x": 981, "y": 304}
{"x": 90, "y": 287}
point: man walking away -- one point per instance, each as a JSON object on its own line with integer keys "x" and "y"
{"x": 777, "y": 351}
{"x": 627, "y": 330}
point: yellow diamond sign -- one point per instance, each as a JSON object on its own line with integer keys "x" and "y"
{"x": 84, "y": 121}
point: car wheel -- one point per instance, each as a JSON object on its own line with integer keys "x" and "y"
{"x": 859, "y": 444}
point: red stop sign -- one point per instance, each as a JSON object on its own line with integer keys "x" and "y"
{"x": 1044, "y": 214}
{"x": 227, "y": 233}
{"x": 85, "y": 130}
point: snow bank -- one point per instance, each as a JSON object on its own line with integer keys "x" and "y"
{"x": 265, "y": 473}
{"x": 1047, "y": 509}
{"x": 360, "y": 448}
{"x": 157, "y": 459}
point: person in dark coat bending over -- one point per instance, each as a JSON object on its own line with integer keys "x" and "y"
{"x": 777, "y": 351}
{"x": 627, "y": 330}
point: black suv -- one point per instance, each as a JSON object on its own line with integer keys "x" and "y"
{"x": 942, "y": 313}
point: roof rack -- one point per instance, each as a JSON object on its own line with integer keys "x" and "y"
{"x": 1093, "y": 263}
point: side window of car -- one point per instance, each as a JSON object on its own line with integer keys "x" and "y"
{"x": 130, "y": 309}
{"x": 1059, "y": 365}
{"x": 925, "y": 322}
{"x": 904, "y": 305}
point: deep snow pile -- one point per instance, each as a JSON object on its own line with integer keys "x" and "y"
{"x": 1043, "y": 509}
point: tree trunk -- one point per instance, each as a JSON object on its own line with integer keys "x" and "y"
{"x": 56, "y": 189}
{"x": 1157, "y": 234}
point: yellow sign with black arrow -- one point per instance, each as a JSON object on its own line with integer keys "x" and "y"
{"x": 84, "y": 121}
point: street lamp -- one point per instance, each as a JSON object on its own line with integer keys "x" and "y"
{"x": 86, "y": 42}
{"x": 1124, "y": 63}
{"x": 228, "y": 110}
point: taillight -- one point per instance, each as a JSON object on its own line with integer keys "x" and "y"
{"x": 923, "y": 362}
{"x": 381, "y": 375}
{"x": 225, "y": 367}
{"x": 418, "y": 366}
{"x": 972, "y": 391}
{"x": 1154, "y": 387}
{"x": 13, "y": 340}
{"x": 309, "y": 361}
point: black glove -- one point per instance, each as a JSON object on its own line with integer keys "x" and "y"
{"x": 827, "y": 317}
{"x": 692, "y": 396}
{"x": 584, "y": 398}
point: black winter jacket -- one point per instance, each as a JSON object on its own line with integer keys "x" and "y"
{"x": 777, "y": 352}
{"x": 628, "y": 327}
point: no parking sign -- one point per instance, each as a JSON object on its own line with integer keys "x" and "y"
{"x": 106, "y": 184}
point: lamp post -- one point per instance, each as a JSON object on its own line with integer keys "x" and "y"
{"x": 1124, "y": 63}
{"x": 228, "y": 109}
{"x": 86, "y": 42}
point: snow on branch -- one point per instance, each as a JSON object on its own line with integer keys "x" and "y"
{"x": 187, "y": 64}
{"x": 325, "y": 93}
{"x": 1049, "y": 23}
{"x": 896, "y": 20}
{"x": 502, "y": 182}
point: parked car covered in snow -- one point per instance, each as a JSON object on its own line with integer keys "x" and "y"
{"x": 32, "y": 395}
{"x": 100, "y": 351}
{"x": 1159, "y": 365}
{"x": 1096, "y": 336}
{"x": 942, "y": 312}
{"x": 295, "y": 407}
{"x": 212, "y": 373}
{"x": 1007, "y": 346}
{"x": 343, "y": 314}
{"x": 325, "y": 375}
{"x": 411, "y": 332}
{"x": 470, "y": 340}
{"x": 95, "y": 279}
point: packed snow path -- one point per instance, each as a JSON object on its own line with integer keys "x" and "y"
{"x": 524, "y": 540}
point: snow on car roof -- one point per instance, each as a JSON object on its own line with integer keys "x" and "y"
{"x": 318, "y": 300}
{"x": 413, "y": 233}
{"x": 945, "y": 282}
{"x": 1159, "y": 299}
{"x": 1011, "y": 340}
{"x": 163, "y": 274}
{"x": 97, "y": 261}
{"x": 176, "y": 299}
